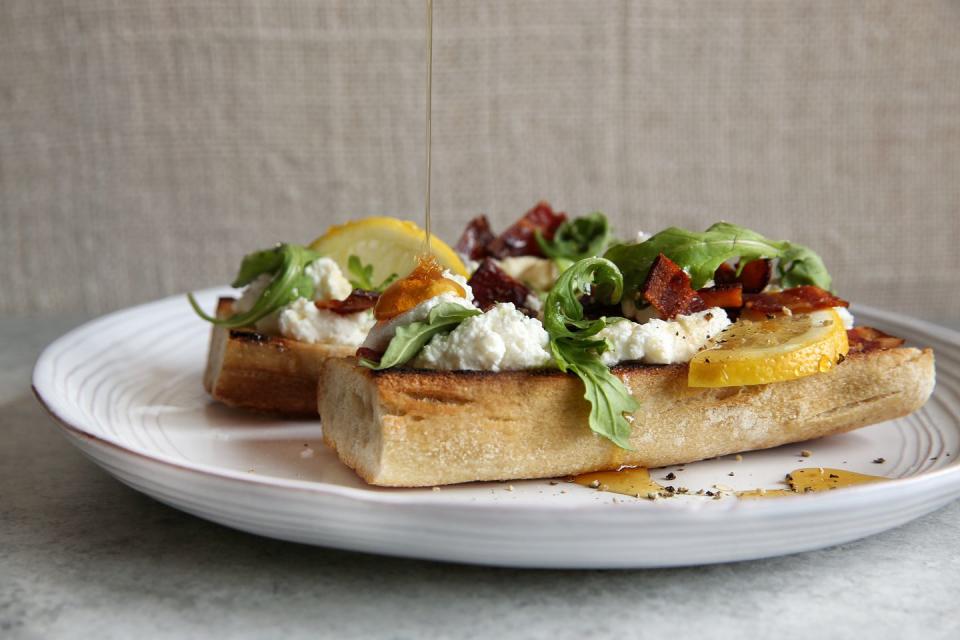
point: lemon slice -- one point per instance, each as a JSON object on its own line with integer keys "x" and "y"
{"x": 782, "y": 348}
{"x": 389, "y": 244}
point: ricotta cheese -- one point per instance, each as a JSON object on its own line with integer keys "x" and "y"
{"x": 662, "y": 341}
{"x": 328, "y": 280}
{"x": 533, "y": 271}
{"x": 382, "y": 333}
{"x": 301, "y": 320}
{"x": 501, "y": 339}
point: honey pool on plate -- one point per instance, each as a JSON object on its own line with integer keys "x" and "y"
{"x": 636, "y": 482}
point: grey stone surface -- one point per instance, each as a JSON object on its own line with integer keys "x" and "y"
{"x": 82, "y": 556}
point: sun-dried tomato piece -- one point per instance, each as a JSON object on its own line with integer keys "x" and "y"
{"x": 520, "y": 240}
{"x": 491, "y": 285}
{"x": 725, "y": 274}
{"x": 476, "y": 238}
{"x": 667, "y": 289}
{"x": 728, "y": 296}
{"x": 803, "y": 299}
{"x": 863, "y": 339}
{"x": 358, "y": 300}
{"x": 755, "y": 275}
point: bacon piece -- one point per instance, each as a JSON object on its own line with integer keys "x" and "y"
{"x": 519, "y": 239}
{"x": 491, "y": 285}
{"x": 358, "y": 300}
{"x": 755, "y": 275}
{"x": 863, "y": 339}
{"x": 476, "y": 239}
{"x": 667, "y": 289}
{"x": 728, "y": 296}
{"x": 803, "y": 299}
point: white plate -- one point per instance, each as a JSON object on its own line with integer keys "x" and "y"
{"x": 126, "y": 389}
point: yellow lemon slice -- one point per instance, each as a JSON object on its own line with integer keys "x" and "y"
{"x": 782, "y": 348}
{"x": 388, "y": 244}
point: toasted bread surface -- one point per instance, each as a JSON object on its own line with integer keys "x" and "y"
{"x": 412, "y": 428}
{"x": 250, "y": 370}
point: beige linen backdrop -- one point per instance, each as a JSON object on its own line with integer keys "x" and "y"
{"x": 146, "y": 145}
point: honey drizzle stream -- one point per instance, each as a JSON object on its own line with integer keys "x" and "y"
{"x": 429, "y": 106}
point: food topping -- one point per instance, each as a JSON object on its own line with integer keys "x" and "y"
{"x": 491, "y": 285}
{"x": 426, "y": 281}
{"x": 869, "y": 339}
{"x": 771, "y": 350}
{"x": 803, "y": 299}
{"x": 661, "y": 341}
{"x": 728, "y": 296}
{"x": 520, "y": 239}
{"x": 667, "y": 289}
{"x": 358, "y": 300}
{"x": 475, "y": 239}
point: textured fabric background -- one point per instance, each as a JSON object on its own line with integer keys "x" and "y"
{"x": 146, "y": 145}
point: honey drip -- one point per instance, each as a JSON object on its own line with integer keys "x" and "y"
{"x": 424, "y": 282}
{"x": 631, "y": 482}
{"x": 429, "y": 145}
{"x": 637, "y": 482}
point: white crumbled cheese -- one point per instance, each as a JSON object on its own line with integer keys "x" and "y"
{"x": 301, "y": 320}
{"x": 328, "y": 280}
{"x": 846, "y": 316}
{"x": 662, "y": 341}
{"x": 501, "y": 339}
{"x": 382, "y": 333}
{"x": 533, "y": 271}
{"x": 460, "y": 280}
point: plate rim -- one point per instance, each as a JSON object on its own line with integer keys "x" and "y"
{"x": 412, "y": 496}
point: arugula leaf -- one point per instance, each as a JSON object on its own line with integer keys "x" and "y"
{"x": 576, "y": 239}
{"x": 410, "y": 339}
{"x": 286, "y": 262}
{"x": 699, "y": 254}
{"x": 363, "y": 275}
{"x": 575, "y": 348}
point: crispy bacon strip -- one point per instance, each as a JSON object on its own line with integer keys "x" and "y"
{"x": 667, "y": 289}
{"x": 491, "y": 285}
{"x": 358, "y": 300}
{"x": 728, "y": 296}
{"x": 519, "y": 239}
{"x": 863, "y": 339}
{"x": 476, "y": 238}
{"x": 803, "y": 299}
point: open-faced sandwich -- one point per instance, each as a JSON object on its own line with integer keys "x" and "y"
{"x": 676, "y": 348}
{"x": 300, "y": 306}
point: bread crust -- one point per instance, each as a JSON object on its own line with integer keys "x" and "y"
{"x": 411, "y": 428}
{"x": 269, "y": 374}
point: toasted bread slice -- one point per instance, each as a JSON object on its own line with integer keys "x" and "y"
{"x": 410, "y": 428}
{"x": 271, "y": 374}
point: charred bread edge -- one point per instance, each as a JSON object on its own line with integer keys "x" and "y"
{"x": 408, "y": 427}
{"x": 269, "y": 374}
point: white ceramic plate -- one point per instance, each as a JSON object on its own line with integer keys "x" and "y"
{"x": 126, "y": 389}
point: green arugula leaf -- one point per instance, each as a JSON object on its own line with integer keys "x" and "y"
{"x": 575, "y": 348}
{"x": 410, "y": 339}
{"x": 576, "y": 239}
{"x": 699, "y": 254}
{"x": 286, "y": 262}
{"x": 363, "y": 276}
